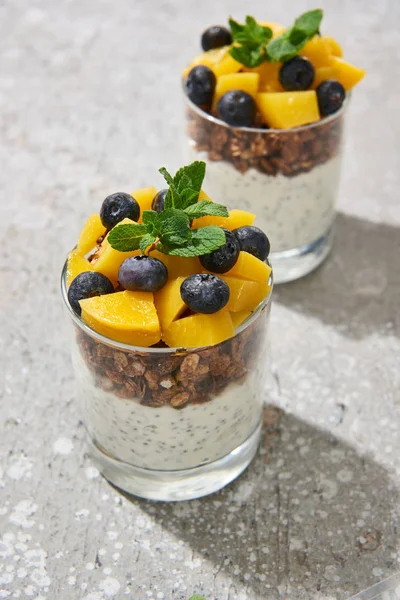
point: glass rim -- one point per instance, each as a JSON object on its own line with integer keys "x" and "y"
{"x": 151, "y": 350}
{"x": 207, "y": 117}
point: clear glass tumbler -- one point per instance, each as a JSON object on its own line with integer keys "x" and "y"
{"x": 171, "y": 423}
{"x": 288, "y": 178}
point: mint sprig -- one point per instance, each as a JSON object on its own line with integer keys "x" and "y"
{"x": 253, "y": 39}
{"x": 253, "y": 43}
{"x": 291, "y": 42}
{"x": 169, "y": 231}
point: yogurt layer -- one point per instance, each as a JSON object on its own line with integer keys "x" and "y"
{"x": 294, "y": 211}
{"x": 166, "y": 438}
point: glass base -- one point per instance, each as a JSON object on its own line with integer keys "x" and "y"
{"x": 298, "y": 262}
{"x": 186, "y": 484}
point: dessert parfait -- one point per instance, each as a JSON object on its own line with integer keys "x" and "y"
{"x": 265, "y": 108}
{"x": 169, "y": 294}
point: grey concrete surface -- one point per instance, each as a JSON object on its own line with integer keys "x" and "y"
{"x": 90, "y": 104}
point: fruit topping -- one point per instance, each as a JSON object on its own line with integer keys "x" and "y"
{"x": 253, "y": 240}
{"x": 330, "y": 95}
{"x": 142, "y": 273}
{"x": 128, "y": 317}
{"x": 257, "y": 58}
{"x": 91, "y": 231}
{"x": 199, "y": 330}
{"x": 296, "y": 74}
{"x": 117, "y": 207}
{"x": 169, "y": 303}
{"x": 288, "y": 109}
{"x": 158, "y": 200}
{"x": 144, "y": 197}
{"x": 251, "y": 268}
{"x": 237, "y": 108}
{"x": 224, "y": 258}
{"x": 87, "y": 285}
{"x": 215, "y": 37}
{"x": 164, "y": 268}
{"x": 200, "y": 85}
{"x": 76, "y": 264}
{"x": 205, "y": 293}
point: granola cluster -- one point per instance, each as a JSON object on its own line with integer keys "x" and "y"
{"x": 160, "y": 379}
{"x": 288, "y": 152}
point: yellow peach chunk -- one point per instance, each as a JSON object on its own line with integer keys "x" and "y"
{"x": 335, "y": 47}
{"x": 110, "y": 260}
{"x": 144, "y": 197}
{"x": 169, "y": 303}
{"x": 239, "y": 218}
{"x": 269, "y": 77}
{"x": 239, "y": 317}
{"x": 288, "y": 109}
{"x": 204, "y": 196}
{"x": 245, "y": 295}
{"x": 322, "y": 74}
{"x": 76, "y": 265}
{"x": 246, "y": 82}
{"x": 251, "y": 268}
{"x": 208, "y": 59}
{"x": 226, "y": 66}
{"x": 199, "y": 330}
{"x": 318, "y": 51}
{"x": 92, "y": 230}
{"x": 128, "y": 317}
{"x": 178, "y": 266}
{"x": 348, "y": 75}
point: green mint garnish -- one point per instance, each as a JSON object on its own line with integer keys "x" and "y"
{"x": 289, "y": 44}
{"x": 256, "y": 46}
{"x": 253, "y": 39}
{"x": 169, "y": 231}
{"x": 197, "y": 597}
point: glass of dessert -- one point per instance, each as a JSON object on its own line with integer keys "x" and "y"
{"x": 265, "y": 108}
{"x": 169, "y": 297}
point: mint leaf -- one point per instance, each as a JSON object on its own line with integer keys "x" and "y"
{"x": 173, "y": 198}
{"x": 252, "y": 38}
{"x": 167, "y": 176}
{"x": 174, "y": 227}
{"x": 147, "y": 240}
{"x": 150, "y": 218}
{"x": 126, "y": 237}
{"x": 197, "y": 597}
{"x": 309, "y": 22}
{"x": 291, "y": 42}
{"x": 205, "y": 208}
{"x": 188, "y": 181}
{"x": 203, "y": 241}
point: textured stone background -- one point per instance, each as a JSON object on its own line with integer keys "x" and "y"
{"x": 90, "y": 104}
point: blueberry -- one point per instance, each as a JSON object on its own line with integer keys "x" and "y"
{"x": 252, "y": 240}
{"x": 237, "y": 108}
{"x": 87, "y": 285}
{"x": 117, "y": 207}
{"x": 200, "y": 85}
{"x": 205, "y": 293}
{"x": 215, "y": 37}
{"x": 158, "y": 200}
{"x": 222, "y": 259}
{"x": 330, "y": 96}
{"x": 142, "y": 273}
{"x": 296, "y": 74}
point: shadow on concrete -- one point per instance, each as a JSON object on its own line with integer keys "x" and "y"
{"x": 357, "y": 289}
{"x": 309, "y": 519}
